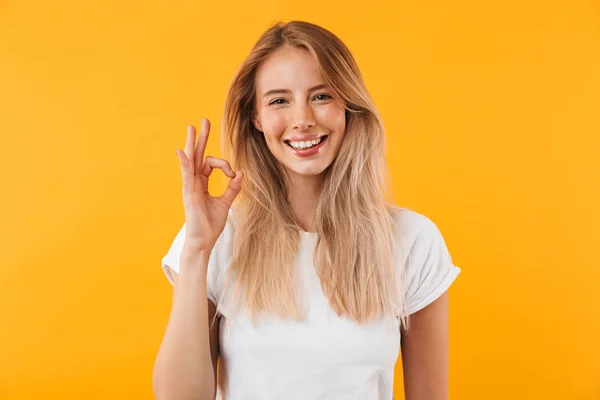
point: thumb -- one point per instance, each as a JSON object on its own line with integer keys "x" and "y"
{"x": 233, "y": 189}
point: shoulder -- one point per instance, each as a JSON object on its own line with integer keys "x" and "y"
{"x": 413, "y": 226}
{"x": 427, "y": 266}
{"x": 421, "y": 248}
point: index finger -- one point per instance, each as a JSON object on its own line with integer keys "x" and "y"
{"x": 201, "y": 144}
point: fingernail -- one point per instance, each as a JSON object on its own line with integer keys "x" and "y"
{"x": 232, "y": 173}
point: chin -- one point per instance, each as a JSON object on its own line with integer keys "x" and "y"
{"x": 308, "y": 170}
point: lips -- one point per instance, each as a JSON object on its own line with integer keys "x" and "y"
{"x": 309, "y": 151}
{"x": 304, "y": 141}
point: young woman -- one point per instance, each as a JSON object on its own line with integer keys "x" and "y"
{"x": 302, "y": 288}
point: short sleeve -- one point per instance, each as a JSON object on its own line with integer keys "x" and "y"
{"x": 428, "y": 265}
{"x": 217, "y": 264}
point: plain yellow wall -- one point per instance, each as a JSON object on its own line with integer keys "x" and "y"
{"x": 492, "y": 115}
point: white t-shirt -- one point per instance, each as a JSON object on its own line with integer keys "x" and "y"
{"x": 325, "y": 357}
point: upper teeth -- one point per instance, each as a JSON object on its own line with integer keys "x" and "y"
{"x": 303, "y": 145}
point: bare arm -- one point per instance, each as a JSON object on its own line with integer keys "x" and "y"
{"x": 425, "y": 353}
{"x": 186, "y": 362}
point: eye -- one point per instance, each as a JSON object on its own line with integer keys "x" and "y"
{"x": 277, "y": 102}
{"x": 323, "y": 96}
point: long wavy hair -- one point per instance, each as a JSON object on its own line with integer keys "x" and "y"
{"x": 355, "y": 252}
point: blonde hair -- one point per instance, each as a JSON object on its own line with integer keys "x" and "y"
{"x": 355, "y": 254}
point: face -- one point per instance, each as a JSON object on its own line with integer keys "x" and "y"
{"x": 302, "y": 123}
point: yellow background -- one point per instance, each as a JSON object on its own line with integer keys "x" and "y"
{"x": 492, "y": 114}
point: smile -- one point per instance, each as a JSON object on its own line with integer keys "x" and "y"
{"x": 305, "y": 144}
{"x": 306, "y": 148}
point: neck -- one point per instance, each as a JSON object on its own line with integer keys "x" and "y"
{"x": 303, "y": 197}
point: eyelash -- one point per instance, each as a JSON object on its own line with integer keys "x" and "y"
{"x": 274, "y": 102}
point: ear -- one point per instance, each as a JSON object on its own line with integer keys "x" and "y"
{"x": 256, "y": 122}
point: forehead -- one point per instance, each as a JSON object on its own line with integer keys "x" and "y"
{"x": 288, "y": 68}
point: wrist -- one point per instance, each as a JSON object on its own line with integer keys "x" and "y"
{"x": 197, "y": 246}
{"x": 194, "y": 256}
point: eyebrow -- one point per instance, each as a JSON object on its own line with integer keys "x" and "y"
{"x": 283, "y": 91}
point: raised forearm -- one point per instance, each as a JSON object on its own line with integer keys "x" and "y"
{"x": 183, "y": 368}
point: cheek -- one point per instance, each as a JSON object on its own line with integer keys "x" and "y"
{"x": 273, "y": 124}
{"x": 335, "y": 115}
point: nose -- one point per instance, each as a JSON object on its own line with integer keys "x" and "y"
{"x": 303, "y": 118}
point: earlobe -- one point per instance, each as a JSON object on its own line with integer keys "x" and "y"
{"x": 257, "y": 124}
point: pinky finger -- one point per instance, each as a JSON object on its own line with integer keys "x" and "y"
{"x": 184, "y": 164}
